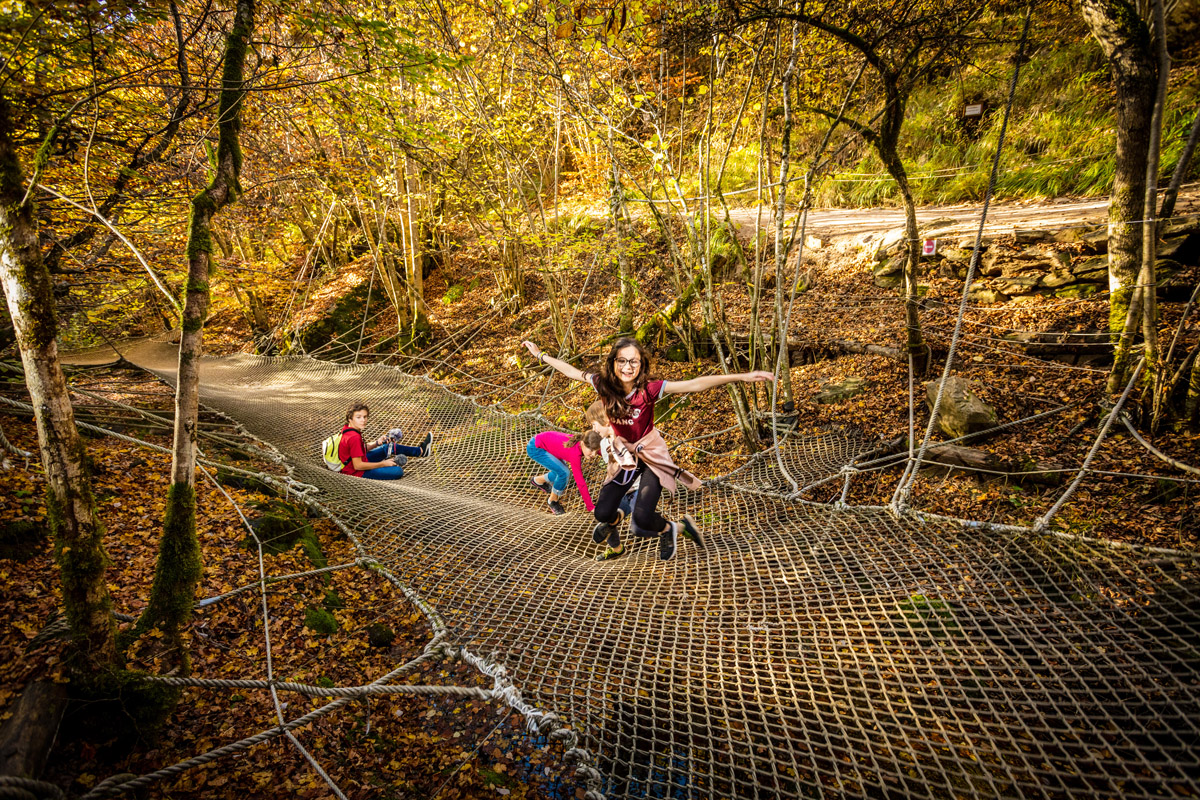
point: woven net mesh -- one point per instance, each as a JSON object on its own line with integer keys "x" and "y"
{"x": 805, "y": 652}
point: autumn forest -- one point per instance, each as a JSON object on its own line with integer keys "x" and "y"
{"x": 922, "y": 281}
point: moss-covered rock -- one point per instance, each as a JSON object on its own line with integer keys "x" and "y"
{"x": 677, "y": 353}
{"x": 380, "y": 635}
{"x": 345, "y": 318}
{"x": 318, "y": 620}
{"x": 1075, "y": 291}
{"x": 332, "y": 601}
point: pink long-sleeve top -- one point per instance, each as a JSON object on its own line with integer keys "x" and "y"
{"x": 555, "y": 444}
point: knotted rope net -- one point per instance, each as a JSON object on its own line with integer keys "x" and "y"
{"x": 807, "y": 651}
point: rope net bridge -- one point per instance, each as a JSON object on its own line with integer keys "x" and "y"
{"x": 807, "y": 651}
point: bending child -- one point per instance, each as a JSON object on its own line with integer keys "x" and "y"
{"x": 562, "y": 455}
{"x": 382, "y": 459}
{"x": 629, "y": 393}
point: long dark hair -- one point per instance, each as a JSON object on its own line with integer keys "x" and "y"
{"x": 608, "y": 385}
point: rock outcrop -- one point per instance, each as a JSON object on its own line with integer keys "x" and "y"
{"x": 961, "y": 411}
{"x": 1067, "y": 263}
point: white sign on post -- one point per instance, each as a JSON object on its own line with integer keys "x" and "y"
{"x": 929, "y": 248}
{"x": 973, "y": 110}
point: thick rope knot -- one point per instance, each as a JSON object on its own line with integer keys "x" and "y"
{"x": 592, "y": 794}
{"x": 577, "y": 755}
{"x": 564, "y": 735}
{"x": 15, "y": 787}
{"x": 509, "y": 694}
{"x": 446, "y": 650}
{"x": 589, "y": 775}
{"x": 547, "y": 723}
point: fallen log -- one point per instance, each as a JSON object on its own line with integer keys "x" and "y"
{"x": 957, "y": 457}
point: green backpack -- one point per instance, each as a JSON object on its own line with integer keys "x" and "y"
{"x": 329, "y": 450}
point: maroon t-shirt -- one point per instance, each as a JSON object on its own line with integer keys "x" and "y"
{"x": 351, "y": 445}
{"x": 642, "y": 418}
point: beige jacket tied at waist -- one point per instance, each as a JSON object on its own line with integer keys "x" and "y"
{"x": 652, "y": 450}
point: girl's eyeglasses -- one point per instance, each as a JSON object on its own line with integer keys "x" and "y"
{"x": 630, "y": 362}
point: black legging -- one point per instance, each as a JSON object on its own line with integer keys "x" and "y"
{"x": 645, "y": 513}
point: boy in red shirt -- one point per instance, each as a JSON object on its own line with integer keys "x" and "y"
{"x": 382, "y": 459}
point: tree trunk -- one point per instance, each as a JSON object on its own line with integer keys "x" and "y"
{"x": 624, "y": 273}
{"x": 1125, "y": 40}
{"x": 889, "y": 134}
{"x": 415, "y": 260}
{"x": 1169, "y": 196}
{"x": 74, "y": 524}
{"x": 666, "y": 316}
{"x": 1153, "y": 375}
{"x": 783, "y": 363}
{"x": 179, "y": 567}
{"x": 1191, "y": 408}
{"x": 29, "y": 733}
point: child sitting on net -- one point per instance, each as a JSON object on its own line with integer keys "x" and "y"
{"x": 562, "y": 454}
{"x": 623, "y": 465}
{"x": 382, "y": 459}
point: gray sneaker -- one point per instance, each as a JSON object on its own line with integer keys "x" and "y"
{"x": 426, "y": 445}
{"x": 667, "y": 540}
{"x": 556, "y": 507}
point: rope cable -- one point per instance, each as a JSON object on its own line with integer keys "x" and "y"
{"x": 904, "y": 488}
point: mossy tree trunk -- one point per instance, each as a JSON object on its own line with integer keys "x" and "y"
{"x": 74, "y": 524}
{"x": 179, "y": 567}
{"x": 1125, "y": 40}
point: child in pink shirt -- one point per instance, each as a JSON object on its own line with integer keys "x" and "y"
{"x": 562, "y": 455}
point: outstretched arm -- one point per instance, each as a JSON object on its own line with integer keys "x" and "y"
{"x": 713, "y": 381}
{"x": 566, "y": 369}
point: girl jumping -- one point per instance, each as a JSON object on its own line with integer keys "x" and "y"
{"x": 629, "y": 394}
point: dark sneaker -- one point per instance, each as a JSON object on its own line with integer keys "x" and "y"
{"x": 609, "y": 531}
{"x": 601, "y": 532}
{"x": 610, "y": 553}
{"x": 667, "y": 540}
{"x": 691, "y": 531}
{"x": 556, "y": 507}
{"x": 545, "y": 487}
{"x": 426, "y": 445}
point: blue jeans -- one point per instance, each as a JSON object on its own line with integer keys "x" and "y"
{"x": 398, "y": 451}
{"x": 627, "y": 503}
{"x": 558, "y": 473}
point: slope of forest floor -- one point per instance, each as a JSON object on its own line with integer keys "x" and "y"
{"x": 477, "y": 351}
{"x": 389, "y": 746}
